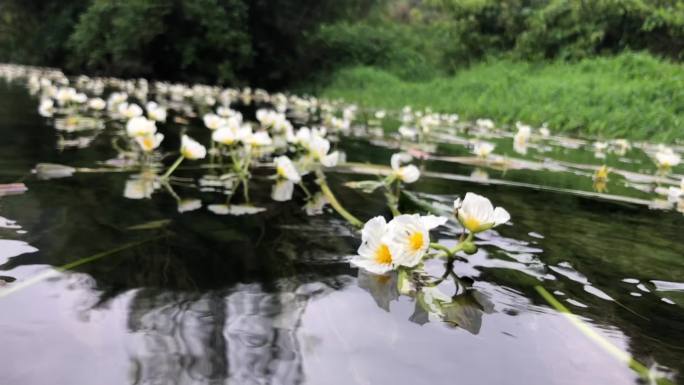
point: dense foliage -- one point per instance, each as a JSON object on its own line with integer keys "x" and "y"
{"x": 282, "y": 42}
{"x": 630, "y": 95}
{"x": 260, "y": 42}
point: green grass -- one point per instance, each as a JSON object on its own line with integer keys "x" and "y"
{"x": 632, "y": 95}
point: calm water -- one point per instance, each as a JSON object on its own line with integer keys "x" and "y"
{"x": 271, "y": 299}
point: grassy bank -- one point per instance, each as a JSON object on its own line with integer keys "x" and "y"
{"x": 632, "y": 95}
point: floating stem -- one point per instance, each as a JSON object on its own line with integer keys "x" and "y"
{"x": 334, "y": 202}
{"x": 603, "y": 342}
{"x": 173, "y": 167}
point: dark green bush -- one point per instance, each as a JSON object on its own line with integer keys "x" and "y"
{"x": 408, "y": 52}
{"x": 163, "y": 38}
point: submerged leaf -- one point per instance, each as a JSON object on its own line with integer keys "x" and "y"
{"x": 53, "y": 171}
{"x": 150, "y": 225}
{"x": 12, "y": 189}
{"x": 367, "y": 186}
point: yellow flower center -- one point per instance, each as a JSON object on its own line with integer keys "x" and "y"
{"x": 383, "y": 255}
{"x": 416, "y": 241}
{"x": 148, "y": 143}
{"x": 280, "y": 170}
{"x": 471, "y": 224}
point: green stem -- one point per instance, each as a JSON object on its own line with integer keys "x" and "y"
{"x": 334, "y": 202}
{"x": 450, "y": 253}
{"x": 51, "y": 273}
{"x": 173, "y": 167}
{"x": 306, "y": 190}
{"x": 245, "y": 188}
{"x": 169, "y": 189}
{"x": 599, "y": 339}
{"x": 443, "y": 248}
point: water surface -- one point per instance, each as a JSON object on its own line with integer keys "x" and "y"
{"x": 270, "y": 298}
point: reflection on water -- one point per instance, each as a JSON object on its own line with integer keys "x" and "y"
{"x": 244, "y": 336}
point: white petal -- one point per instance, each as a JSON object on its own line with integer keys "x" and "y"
{"x": 410, "y": 174}
{"x": 432, "y": 221}
{"x": 282, "y": 191}
{"x": 331, "y": 159}
{"x": 371, "y": 236}
{"x": 370, "y": 265}
{"x": 501, "y": 216}
{"x": 399, "y": 158}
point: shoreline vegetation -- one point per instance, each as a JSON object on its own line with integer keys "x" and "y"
{"x": 632, "y": 95}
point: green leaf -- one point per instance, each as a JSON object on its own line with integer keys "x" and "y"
{"x": 150, "y": 225}
{"x": 367, "y": 186}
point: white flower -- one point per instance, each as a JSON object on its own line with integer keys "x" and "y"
{"x": 46, "y": 108}
{"x": 318, "y": 148}
{"x": 186, "y": 205}
{"x": 520, "y": 143}
{"x": 408, "y": 237}
{"x": 140, "y": 126}
{"x": 407, "y": 174}
{"x": 282, "y": 190}
{"x": 227, "y": 112}
{"x": 115, "y": 99}
{"x": 667, "y": 158}
{"x": 544, "y": 131}
{"x": 258, "y": 139}
{"x": 428, "y": 122}
{"x": 130, "y": 110}
{"x": 267, "y": 118}
{"x": 600, "y": 146}
{"x": 374, "y": 254}
{"x": 155, "y": 112}
{"x": 523, "y": 129}
{"x": 339, "y": 124}
{"x": 79, "y": 98}
{"x": 285, "y": 169}
{"x": 476, "y": 213}
{"x": 483, "y": 149}
{"x": 65, "y": 95}
{"x": 622, "y": 145}
{"x": 213, "y": 121}
{"x": 149, "y": 142}
{"x": 380, "y": 114}
{"x": 331, "y": 160}
{"x": 521, "y": 137}
{"x": 97, "y": 104}
{"x": 224, "y": 135}
{"x": 407, "y": 132}
{"x": 487, "y": 124}
{"x": 192, "y": 149}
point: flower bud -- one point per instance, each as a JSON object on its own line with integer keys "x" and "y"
{"x": 469, "y": 247}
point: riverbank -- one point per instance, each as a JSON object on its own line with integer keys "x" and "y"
{"x": 635, "y": 96}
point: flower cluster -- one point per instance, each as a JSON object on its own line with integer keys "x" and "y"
{"x": 405, "y": 240}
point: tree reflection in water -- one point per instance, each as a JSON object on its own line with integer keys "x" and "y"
{"x": 243, "y": 336}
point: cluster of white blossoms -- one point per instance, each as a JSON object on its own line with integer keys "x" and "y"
{"x": 405, "y": 240}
